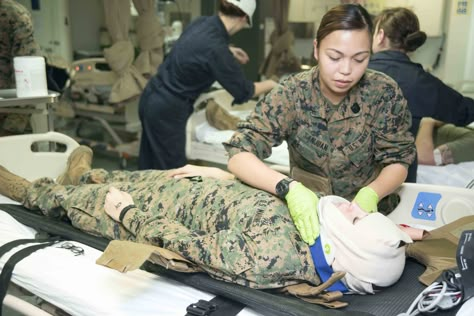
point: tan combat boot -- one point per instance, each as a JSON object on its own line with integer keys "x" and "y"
{"x": 219, "y": 117}
{"x": 78, "y": 163}
{"x": 13, "y": 186}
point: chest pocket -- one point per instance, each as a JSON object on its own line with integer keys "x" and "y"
{"x": 311, "y": 146}
{"x": 360, "y": 152}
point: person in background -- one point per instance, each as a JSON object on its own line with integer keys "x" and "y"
{"x": 347, "y": 127}
{"x": 397, "y": 33}
{"x": 199, "y": 57}
{"x": 234, "y": 232}
{"x": 16, "y": 39}
{"x": 440, "y": 144}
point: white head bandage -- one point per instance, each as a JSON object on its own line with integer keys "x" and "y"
{"x": 368, "y": 251}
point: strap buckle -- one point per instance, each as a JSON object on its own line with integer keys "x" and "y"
{"x": 201, "y": 308}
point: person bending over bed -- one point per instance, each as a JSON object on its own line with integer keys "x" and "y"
{"x": 439, "y": 143}
{"x": 234, "y": 232}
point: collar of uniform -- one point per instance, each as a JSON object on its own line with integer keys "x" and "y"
{"x": 324, "y": 109}
{"x": 390, "y": 55}
{"x": 220, "y": 27}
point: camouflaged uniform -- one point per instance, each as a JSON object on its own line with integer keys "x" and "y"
{"x": 16, "y": 39}
{"x": 234, "y": 232}
{"x": 347, "y": 143}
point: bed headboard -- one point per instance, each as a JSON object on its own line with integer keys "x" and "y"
{"x": 31, "y": 155}
{"x": 432, "y": 205}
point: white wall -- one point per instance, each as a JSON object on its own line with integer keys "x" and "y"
{"x": 87, "y": 18}
{"x": 52, "y": 29}
{"x": 469, "y": 71}
{"x": 456, "y": 63}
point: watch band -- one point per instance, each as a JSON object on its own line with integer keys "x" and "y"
{"x": 283, "y": 186}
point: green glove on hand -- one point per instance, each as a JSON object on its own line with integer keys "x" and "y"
{"x": 367, "y": 199}
{"x": 303, "y": 206}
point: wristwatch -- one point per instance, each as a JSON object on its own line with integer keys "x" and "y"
{"x": 283, "y": 186}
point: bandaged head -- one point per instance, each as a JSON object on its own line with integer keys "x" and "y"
{"x": 370, "y": 250}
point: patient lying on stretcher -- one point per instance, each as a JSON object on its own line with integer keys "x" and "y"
{"x": 232, "y": 231}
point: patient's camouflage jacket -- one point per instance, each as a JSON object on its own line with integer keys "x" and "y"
{"x": 347, "y": 143}
{"x": 234, "y": 232}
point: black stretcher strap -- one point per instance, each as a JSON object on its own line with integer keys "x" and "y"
{"x": 53, "y": 226}
{"x": 18, "y": 242}
{"x": 7, "y": 270}
{"x": 218, "y": 306}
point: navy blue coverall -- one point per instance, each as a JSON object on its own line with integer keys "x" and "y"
{"x": 200, "y": 57}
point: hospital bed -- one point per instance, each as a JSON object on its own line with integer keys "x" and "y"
{"x": 76, "y": 285}
{"x": 87, "y": 98}
{"x": 204, "y": 142}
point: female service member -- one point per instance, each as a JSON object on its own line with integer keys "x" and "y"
{"x": 347, "y": 127}
{"x": 397, "y": 32}
{"x": 199, "y": 57}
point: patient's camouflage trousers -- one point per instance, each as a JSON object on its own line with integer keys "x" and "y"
{"x": 234, "y": 232}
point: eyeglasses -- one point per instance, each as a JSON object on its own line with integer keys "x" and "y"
{"x": 77, "y": 251}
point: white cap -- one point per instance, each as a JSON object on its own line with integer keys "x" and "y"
{"x": 247, "y": 6}
{"x": 368, "y": 251}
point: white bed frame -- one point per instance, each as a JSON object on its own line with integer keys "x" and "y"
{"x": 18, "y": 155}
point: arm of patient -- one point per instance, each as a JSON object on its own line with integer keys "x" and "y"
{"x": 116, "y": 201}
{"x": 190, "y": 171}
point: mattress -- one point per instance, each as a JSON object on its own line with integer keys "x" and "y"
{"x": 78, "y": 286}
{"x": 456, "y": 175}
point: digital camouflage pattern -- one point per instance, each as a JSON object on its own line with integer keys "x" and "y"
{"x": 16, "y": 39}
{"x": 234, "y": 232}
{"x": 347, "y": 143}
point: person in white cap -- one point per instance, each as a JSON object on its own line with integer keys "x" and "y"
{"x": 201, "y": 56}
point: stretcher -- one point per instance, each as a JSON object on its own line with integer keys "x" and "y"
{"x": 76, "y": 285}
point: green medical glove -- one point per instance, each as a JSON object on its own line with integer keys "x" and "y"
{"x": 303, "y": 206}
{"x": 367, "y": 199}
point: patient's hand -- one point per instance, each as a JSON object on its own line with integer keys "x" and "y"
{"x": 115, "y": 201}
{"x": 190, "y": 171}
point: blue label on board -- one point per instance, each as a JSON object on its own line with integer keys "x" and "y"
{"x": 425, "y": 206}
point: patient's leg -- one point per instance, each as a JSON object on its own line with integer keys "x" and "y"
{"x": 83, "y": 205}
{"x": 77, "y": 164}
{"x": 99, "y": 176}
{"x": 219, "y": 117}
{"x": 13, "y": 186}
